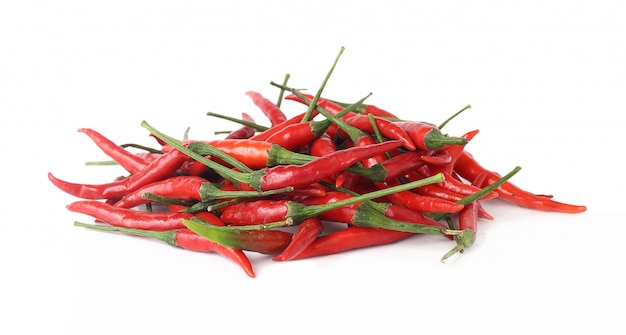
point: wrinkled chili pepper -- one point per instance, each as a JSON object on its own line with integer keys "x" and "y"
{"x": 162, "y": 167}
{"x": 185, "y": 239}
{"x": 387, "y": 128}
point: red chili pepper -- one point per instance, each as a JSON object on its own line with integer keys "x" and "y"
{"x": 127, "y": 160}
{"x": 129, "y": 218}
{"x": 421, "y": 203}
{"x": 267, "y": 211}
{"x": 322, "y": 146}
{"x": 161, "y": 168}
{"x": 468, "y": 168}
{"x": 273, "y": 113}
{"x": 185, "y": 239}
{"x": 179, "y": 187}
{"x": 350, "y": 238}
{"x": 305, "y": 234}
{"x": 264, "y": 241}
{"x": 468, "y": 217}
{"x": 451, "y": 183}
{"x": 328, "y": 105}
{"x": 370, "y": 109}
{"x": 262, "y": 136}
{"x": 301, "y": 175}
{"x": 427, "y": 137}
{"x": 387, "y": 129}
{"x": 398, "y": 165}
{"x": 244, "y": 132}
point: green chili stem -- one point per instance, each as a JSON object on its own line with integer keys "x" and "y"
{"x": 208, "y": 191}
{"x": 454, "y": 115}
{"x": 253, "y": 125}
{"x": 101, "y": 163}
{"x": 168, "y": 236}
{"x": 309, "y": 111}
{"x": 138, "y": 146}
{"x": 379, "y": 136}
{"x": 354, "y": 133}
{"x": 166, "y": 200}
{"x": 282, "y": 91}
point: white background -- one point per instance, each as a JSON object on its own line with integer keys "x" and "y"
{"x": 546, "y": 81}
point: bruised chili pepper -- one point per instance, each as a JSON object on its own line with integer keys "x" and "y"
{"x": 162, "y": 167}
{"x": 185, "y": 239}
{"x": 468, "y": 168}
{"x": 129, "y": 218}
{"x": 126, "y": 159}
{"x": 427, "y": 137}
{"x": 273, "y": 112}
{"x": 305, "y": 234}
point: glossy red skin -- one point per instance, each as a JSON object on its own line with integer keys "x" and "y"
{"x": 179, "y": 187}
{"x": 163, "y": 167}
{"x": 129, "y": 161}
{"x": 273, "y": 112}
{"x": 255, "y": 212}
{"x": 128, "y": 218}
{"x": 467, "y": 167}
{"x": 307, "y": 231}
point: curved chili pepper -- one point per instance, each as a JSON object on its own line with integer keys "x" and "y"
{"x": 179, "y": 187}
{"x": 193, "y": 188}
{"x": 128, "y": 218}
{"x": 244, "y": 132}
{"x": 322, "y": 146}
{"x": 398, "y": 165}
{"x": 162, "y": 167}
{"x": 421, "y": 203}
{"x": 265, "y": 241}
{"x": 262, "y": 136}
{"x": 130, "y": 162}
{"x": 273, "y": 113}
{"x": 324, "y": 103}
{"x": 370, "y": 109}
{"x": 185, "y": 239}
{"x": 350, "y": 238}
{"x": 267, "y": 211}
{"x": 468, "y": 168}
{"x": 387, "y": 128}
{"x": 451, "y": 183}
{"x": 305, "y": 234}
{"x": 427, "y": 137}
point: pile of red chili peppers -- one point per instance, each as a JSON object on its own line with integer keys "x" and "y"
{"x": 273, "y": 190}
